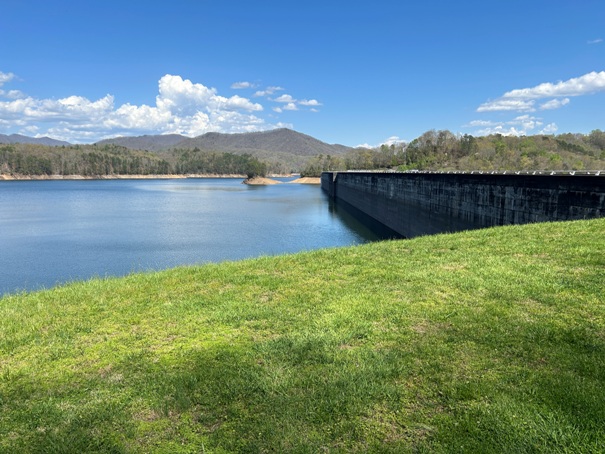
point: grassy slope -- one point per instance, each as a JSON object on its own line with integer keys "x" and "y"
{"x": 484, "y": 341}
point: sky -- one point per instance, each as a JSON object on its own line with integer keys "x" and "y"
{"x": 349, "y": 72}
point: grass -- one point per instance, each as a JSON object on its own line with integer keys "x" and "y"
{"x": 484, "y": 341}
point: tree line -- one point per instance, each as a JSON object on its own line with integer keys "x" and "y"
{"x": 443, "y": 150}
{"x": 107, "y": 160}
{"x": 433, "y": 150}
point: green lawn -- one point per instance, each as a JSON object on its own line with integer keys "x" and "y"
{"x": 484, "y": 341}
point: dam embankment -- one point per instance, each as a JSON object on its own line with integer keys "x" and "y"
{"x": 419, "y": 203}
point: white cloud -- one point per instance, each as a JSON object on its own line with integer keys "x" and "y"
{"x": 309, "y": 102}
{"x": 284, "y": 98}
{"x": 577, "y": 86}
{"x": 186, "y": 98}
{"x": 267, "y": 91}
{"x": 12, "y": 94}
{"x": 550, "y": 128}
{"x": 292, "y": 104}
{"x": 517, "y": 105}
{"x": 519, "y": 126}
{"x": 393, "y": 140}
{"x": 241, "y": 85}
{"x": 527, "y": 122}
{"x": 595, "y": 41}
{"x": 74, "y": 108}
{"x": 481, "y": 123}
{"x": 523, "y": 99}
{"x": 6, "y": 77}
{"x": 554, "y": 104}
{"x": 181, "y": 107}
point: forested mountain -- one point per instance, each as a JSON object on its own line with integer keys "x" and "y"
{"x": 233, "y": 154}
{"x": 442, "y": 151}
{"x": 148, "y": 143}
{"x": 275, "y": 141}
{"x": 18, "y": 138}
{"x": 283, "y": 149}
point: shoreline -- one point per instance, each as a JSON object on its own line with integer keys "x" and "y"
{"x": 5, "y": 177}
{"x": 255, "y": 181}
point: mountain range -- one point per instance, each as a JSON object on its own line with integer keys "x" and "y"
{"x": 18, "y": 138}
{"x": 280, "y": 140}
{"x": 284, "y": 145}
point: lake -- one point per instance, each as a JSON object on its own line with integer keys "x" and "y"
{"x": 53, "y": 232}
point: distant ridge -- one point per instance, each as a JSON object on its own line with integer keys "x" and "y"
{"x": 18, "y": 138}
{"x": 281, "y": 140}
{"x": 277, "y": 141}
{"x": 147, "y": 142}
{"x": 283, "y": 149}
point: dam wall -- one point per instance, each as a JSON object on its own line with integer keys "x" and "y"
{"x": 419, "y": 203}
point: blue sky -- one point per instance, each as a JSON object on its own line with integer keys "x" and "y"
{"x": 349, "y": 72}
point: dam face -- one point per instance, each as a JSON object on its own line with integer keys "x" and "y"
{"x": 419, "y": 203}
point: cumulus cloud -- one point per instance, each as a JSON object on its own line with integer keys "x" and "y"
{"x": 309, "y": 102}
{"x": 518, "y": 126}
{"x": 523, "y": 99}
{"x": 577, "y": 86}
{"x": 267, "y": 91}
{"x": 6, "y": 77}
{"x": 12, "y": 94}
{"x": 293, "y": 104}
{"x": 181, "y": 107}
{"x": 284, "y": 98}
{"x": 393, "y": 140}
{"x": 242, "y": 85}
{"x": 550, "y": 128}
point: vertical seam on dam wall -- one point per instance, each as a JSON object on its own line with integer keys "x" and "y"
{"x": 414, "y": 204}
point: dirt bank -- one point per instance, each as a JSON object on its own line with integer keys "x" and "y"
{"x": 114, "y": 177}
{"x": 260, "y": 181}
{"x": 306, "y": 180}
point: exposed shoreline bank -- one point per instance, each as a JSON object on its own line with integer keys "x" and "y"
{"x": 260, "y": 181}
{"x": 253, "y": 181}
{"x": 5, "y": 177}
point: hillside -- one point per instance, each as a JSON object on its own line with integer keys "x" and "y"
{"x": 275, "y": 141}
{"x": 444, "y": 151}
{"x": 18, "y": 138}
{"x": 484, "y": 341}
{"x": 283, "y": 149}
{"x": 147, "y": 142}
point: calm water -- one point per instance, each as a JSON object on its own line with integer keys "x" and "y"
{"x": 53, "y": 232}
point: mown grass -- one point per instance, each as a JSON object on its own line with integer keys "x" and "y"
{"x": 483, "y": 341}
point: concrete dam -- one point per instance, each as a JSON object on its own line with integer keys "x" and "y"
{"x": 423, "y": 203}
